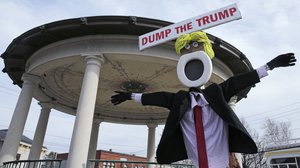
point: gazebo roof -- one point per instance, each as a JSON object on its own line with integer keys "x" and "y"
{"x": 23, "y": 48}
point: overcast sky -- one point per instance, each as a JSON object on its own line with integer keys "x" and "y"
{"x": 267, "y": 29}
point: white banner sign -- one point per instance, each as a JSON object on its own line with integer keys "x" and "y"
{"x": 201, "y": 22}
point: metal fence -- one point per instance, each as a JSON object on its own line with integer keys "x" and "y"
{"x": 33, "y": 164}
{"x": 91, "y": 164}
{"x": 129, "y": 164}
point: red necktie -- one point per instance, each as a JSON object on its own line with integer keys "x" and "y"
{"x": 202, "y": 156}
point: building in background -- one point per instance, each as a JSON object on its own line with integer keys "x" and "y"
{"x": 283, "y": 156}
{"x": 110, "y": 159}
{"x": 24, "y": 147}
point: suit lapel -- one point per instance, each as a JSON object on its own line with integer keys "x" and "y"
{"x": 211, "y": 95}
{"x": 184, "y": 107}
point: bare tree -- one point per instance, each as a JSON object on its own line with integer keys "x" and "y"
{"x": 254, "y": 160}
{"x": 51, "y": 156}
{"x": 277, "y": 133}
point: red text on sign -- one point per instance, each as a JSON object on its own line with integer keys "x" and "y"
{"x": 156, "y": 36}
{"x": 216, "y": 16}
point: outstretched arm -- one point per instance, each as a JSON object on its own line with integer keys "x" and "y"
{"x": 120, "y": 97}
{"x": 161, "y": 99}
{"x": 237, "y": 83}
{"x": 282, "y": 60}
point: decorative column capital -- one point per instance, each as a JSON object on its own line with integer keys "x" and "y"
{"x": 233, "y": 100}
{"x": 97, "y": 121}
{"x": 30, "y": 79}
{"x": 45, "y": 105}
{"x": 94, "y": 58}
{"x": 151, "y": 125}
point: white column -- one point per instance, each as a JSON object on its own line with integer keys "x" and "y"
{"x": 40, "y": 132}
{"x": 94, "y": 140}
{"x": 151, "y": 142}
{"x": 78, "y": 152}
{"x": 232, "y": 104}
{"x": 14, "y": 134}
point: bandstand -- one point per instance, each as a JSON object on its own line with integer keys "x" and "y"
{"x": 75, "y": 65}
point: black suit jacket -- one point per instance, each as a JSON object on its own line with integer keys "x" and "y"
{"x": 171, "y": 147}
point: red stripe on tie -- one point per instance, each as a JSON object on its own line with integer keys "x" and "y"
{"x": 202, "y": 156}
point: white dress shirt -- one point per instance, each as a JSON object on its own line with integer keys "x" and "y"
{"x": 215, "y": 130}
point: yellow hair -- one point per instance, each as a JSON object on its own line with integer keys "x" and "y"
{"x": 198, "y": 36}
